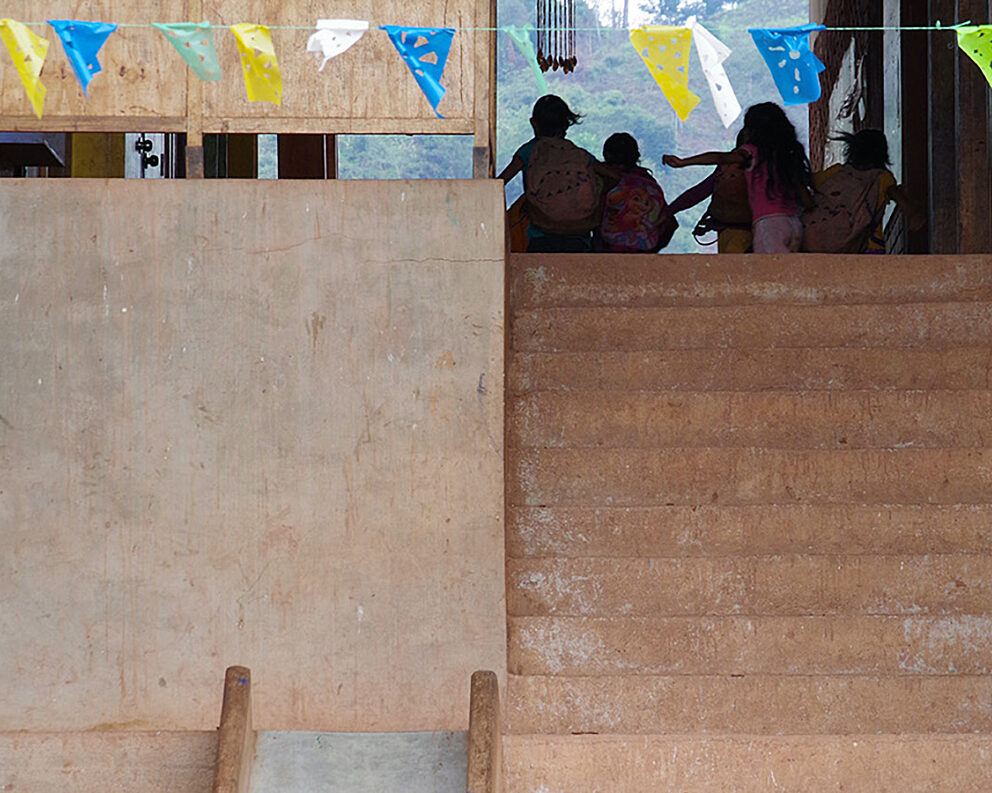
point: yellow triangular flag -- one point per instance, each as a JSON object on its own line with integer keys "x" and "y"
{"x": 976, "y": 42}
{"x": 258, "y": 62}
{"x": 665, "y": 51}
{"x": 28, "y": 52}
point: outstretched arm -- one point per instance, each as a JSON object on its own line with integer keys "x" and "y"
{"x": 516, "y": 166}
{"x": 706, "y": 158}
{"x": 915, "y": 218}
{"x": 693, "y": 195}
{"x": 609, "y": 174}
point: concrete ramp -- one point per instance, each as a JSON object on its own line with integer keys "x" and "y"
{"x": 336, "y": 762}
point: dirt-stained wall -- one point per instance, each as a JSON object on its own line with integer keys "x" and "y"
{"x": 255, "y": 423}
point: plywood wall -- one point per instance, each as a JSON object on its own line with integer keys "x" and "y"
{"x": 252, "y": 423}
{"x": 145, "y": 85}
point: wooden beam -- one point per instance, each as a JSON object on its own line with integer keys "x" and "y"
{"x": 235, "y": 736}
{"x": 972, "y": 124}
{"x": 194, "y": 109}
{"x": 484, "y": 70}
{"x": 485, "y": 735}
{"x": 942, "y": 59}
{"x": 915, "y": 115}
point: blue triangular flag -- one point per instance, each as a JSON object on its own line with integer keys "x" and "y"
{"x": 794, "y": 67}
{"x": 413, "y": 45}
{"x": 81, "y": 42}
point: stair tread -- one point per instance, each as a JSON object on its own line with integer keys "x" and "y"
{"x": 771, "y": 586}
{"x": 692, "y": 763}
{"x": 727, "y": 645}
{"x": 918, "y": 325}
{"x": 753, "y": 369}
{"x": 689, "y": 476}
{"x": 692, "y": 531}
{"x": 817, "y": 419}
{"x": 762, "y": 704}
{"x": 742, "y": 279}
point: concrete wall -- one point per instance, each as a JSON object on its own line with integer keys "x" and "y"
{"x": 255, "y": 423}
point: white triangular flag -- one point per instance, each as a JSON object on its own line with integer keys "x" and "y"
{"x": 712, "y": 53}
{"x": 334, "y": 36}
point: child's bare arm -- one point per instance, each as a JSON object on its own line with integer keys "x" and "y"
{"x": 706, "y": 158}
{"x": 516, "y": 166}
{"x": 915, "y": 218}
{"x": 611, "y": 175}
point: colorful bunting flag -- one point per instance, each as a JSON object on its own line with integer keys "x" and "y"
{"x": 425, "y": 51}
{"x": 976, "y": 42}
{"x": 665, "y": 51}
{"x": 27, "y": 51}
{"x": 712, "y": 53}
{"x": 334, "y": 36}
{"x": 258, "y": 62}
{"x": 195, "y": 43}
{"x": 794, "y": 67}
{"x": 81, "y": 42}
{"x": 521, "y": 37}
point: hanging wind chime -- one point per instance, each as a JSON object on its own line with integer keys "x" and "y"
{"x": 556, "y": 35}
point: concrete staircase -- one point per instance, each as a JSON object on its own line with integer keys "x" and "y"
{"x": 749, "y": 526}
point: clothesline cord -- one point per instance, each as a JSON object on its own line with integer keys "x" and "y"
{"x": 602, "y": 29}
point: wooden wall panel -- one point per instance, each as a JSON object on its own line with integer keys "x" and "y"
{"x": 142, "y": 86}
{"x": 144, "y": 82}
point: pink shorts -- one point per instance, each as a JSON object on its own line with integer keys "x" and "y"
{"x": 777, "y": 234}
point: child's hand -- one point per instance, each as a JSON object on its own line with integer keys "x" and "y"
{"x": 672, "y": 161}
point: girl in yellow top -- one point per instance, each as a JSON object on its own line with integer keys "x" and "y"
{"x": 834, "y": 224}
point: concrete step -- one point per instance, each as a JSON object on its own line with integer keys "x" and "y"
{"x": 747, "y": 763}
{"x": 747, "y": 530}
{"x": 334, "y": 762}
{"x": 651, "y": 477}
{"x": 97, "y": 762}
{"x": 802, "y": 420}
{"x": 798, "y": 585}
{"x": 584, "y": 646}
{"x": 789, "y": 369}
{"x": 716, "y": 280}
{"x": 917, "y": 325}
{"x": 750, "y": 704}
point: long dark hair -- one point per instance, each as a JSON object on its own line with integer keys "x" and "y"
{"x": 865, "y": 149}
{"x": 771, "y": 132}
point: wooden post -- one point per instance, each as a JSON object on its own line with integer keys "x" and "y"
{"x": 915, "y": 116}
{"x": 943, "y": 135}
{"x": 236, "y": 738}
{"x": 194, "y": 109}
{"x": 484, "y": 71}
{"x": 973, "y": 173}
{"x": 485, "y": 735}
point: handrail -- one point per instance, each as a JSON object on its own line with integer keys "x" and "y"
{"x": 236, "y": 738}
{"x": 485, "y": 738}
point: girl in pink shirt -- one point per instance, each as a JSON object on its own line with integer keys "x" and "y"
{"x": 777, "y": 172}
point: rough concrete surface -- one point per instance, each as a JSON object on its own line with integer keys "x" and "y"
{"x": 315, "y": 762}
{"x": 98, "y": 762}
{"x": 252, "y": 423}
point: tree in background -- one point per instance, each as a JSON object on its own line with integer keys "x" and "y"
{"x": 676, "y": 12}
